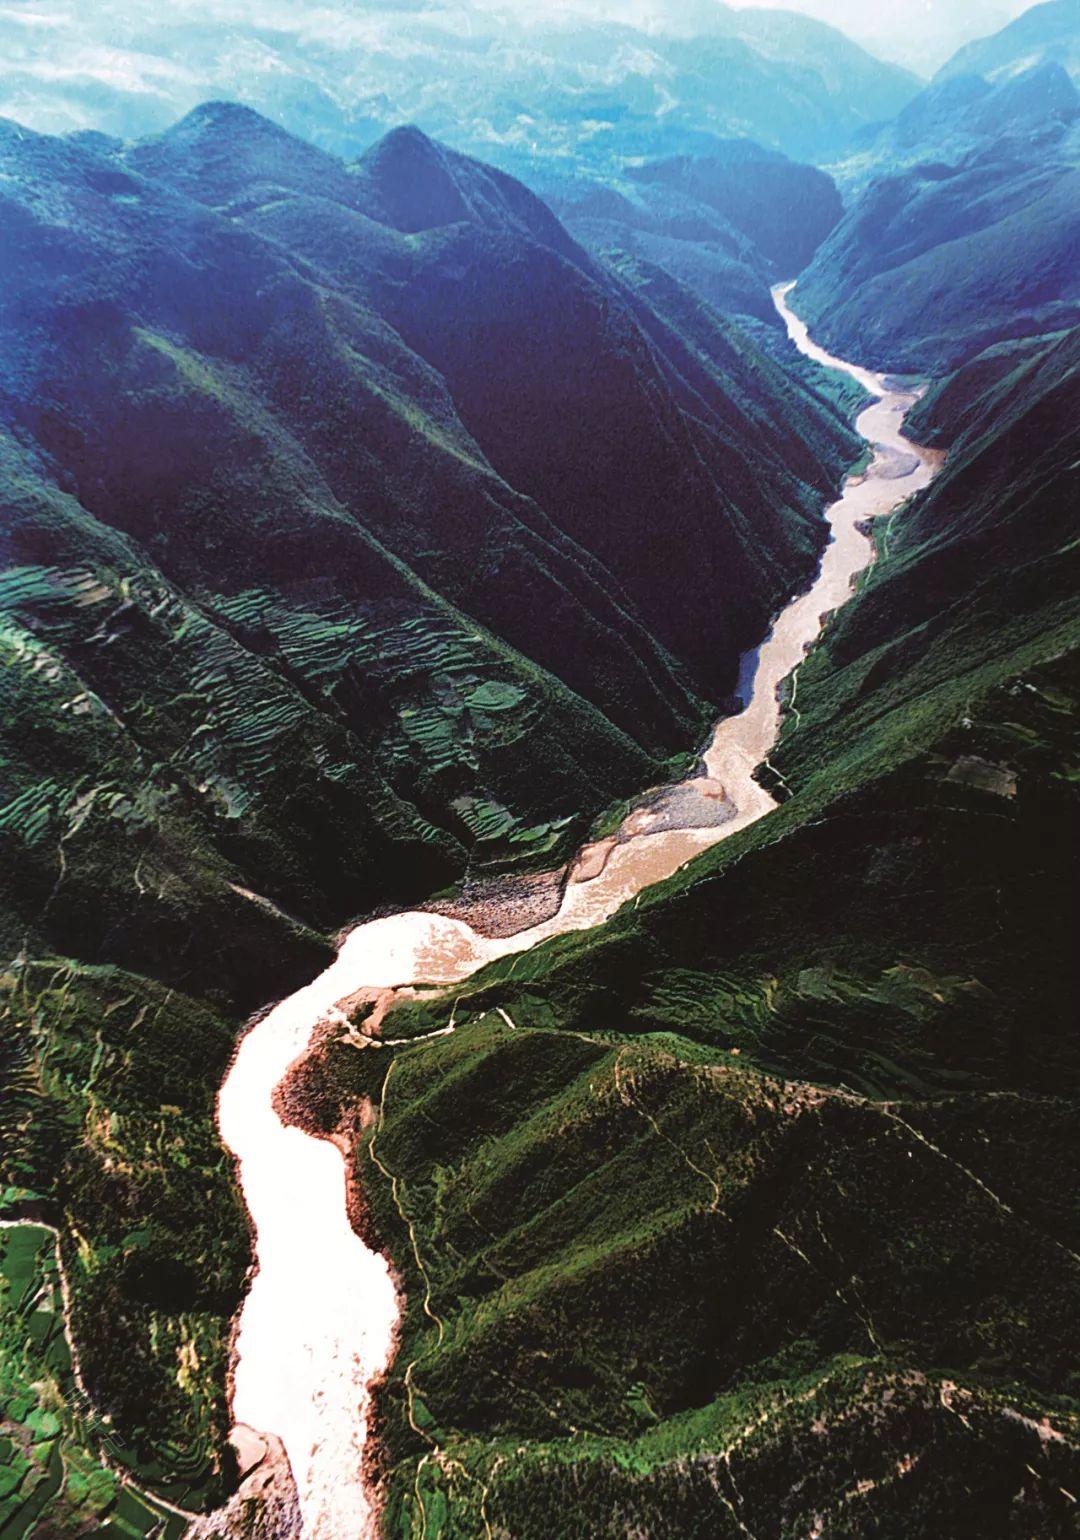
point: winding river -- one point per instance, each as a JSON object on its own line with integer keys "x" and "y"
{"x": 319, "y": 1320}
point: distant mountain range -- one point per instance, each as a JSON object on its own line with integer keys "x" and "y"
{"x": 728, "y": 223}
{"x": 1049, "y": 32}
{"x": 523, "y": 88}
{"x": 963, "y": 220}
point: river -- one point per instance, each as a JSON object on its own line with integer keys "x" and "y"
{"x": 318, "y": 1322}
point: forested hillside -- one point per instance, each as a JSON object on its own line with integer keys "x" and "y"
{"x": 358, "y": 530}
{"x": 813, "y": 1094}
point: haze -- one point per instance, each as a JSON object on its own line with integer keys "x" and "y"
{"x": 130, "y": 67}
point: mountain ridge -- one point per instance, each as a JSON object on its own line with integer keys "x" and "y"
{"x": 267, "y": 664}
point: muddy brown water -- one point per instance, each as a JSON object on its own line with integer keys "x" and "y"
{"x": 318, "y": 1323}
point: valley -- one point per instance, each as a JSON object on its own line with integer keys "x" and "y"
{"x": 539, "y": 773}
{"x": 300, "y": 1373}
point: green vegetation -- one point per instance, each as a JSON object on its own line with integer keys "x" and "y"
{"x": 965, "y": 237}
{"x": 360, "y": 531}
{"x": 297, "y": 621}
{"x": 655, "y": 1281}
{"x": 785, "y": 209}
{"x": 109, "y": 1086}
{"x": 776, "y": 1171}
{"x": 726, "y": 224}
{"x": 51, "y": 1437}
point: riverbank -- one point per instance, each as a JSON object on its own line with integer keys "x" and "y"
{"x": 317, "y": 1327}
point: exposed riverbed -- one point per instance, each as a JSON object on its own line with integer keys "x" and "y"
{"x": 318, "y": 1323}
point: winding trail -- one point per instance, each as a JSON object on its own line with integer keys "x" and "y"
{"x": 319, "y": 1321}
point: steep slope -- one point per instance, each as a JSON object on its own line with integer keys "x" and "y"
{"x": 933, "y": 264}
{"x": 727, "y": 223}
{"x": 911, "y": 713}
{"x": 670, "y": 1292}
{"x": 785, "y": 209}
{"x": 972, "y": 391}
{"x": 282, "y": 642}
{"x": 688, "y": 240}
{"x": 1050, "y": 31}
{"x": 254, "y": 489}
{"x": 724, "y": 226}
{"x": 814, "y": 1094}
{"x": 622, "y": 443}
{"x": 960, "y": 114}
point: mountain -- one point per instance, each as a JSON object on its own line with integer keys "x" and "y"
{"x": 728, "y": 222}
{"x": 1035, "y": 110}
{"x": 785, "y": 209}
{"x": 557, "y": 87}
{"x": 359, "y": 530}
{"x": 911, "y": 34}
{"x": 725, "y": 225}
{"x": 961, "y": 225}
{"x": 1046, "y": 33}
{"x": 687, "y": 239}
{"x": 815, "y": 1094}
{"x": 935, "y": 262}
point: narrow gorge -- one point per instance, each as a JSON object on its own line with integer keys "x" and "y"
{"x": 318, "y": 1323}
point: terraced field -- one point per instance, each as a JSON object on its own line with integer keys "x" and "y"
{"x": 52, "y": 1439}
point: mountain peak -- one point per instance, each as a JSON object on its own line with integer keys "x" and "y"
{"x": 223, "y": 151}
{"x": 1050, "y": 31}
{"x": 406, "y": 139}
{"x": 221, "y": 117}
{"x": 1046, "y": 86}
{"x": 414, "y": 183}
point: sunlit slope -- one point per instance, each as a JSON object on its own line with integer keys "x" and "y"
{"x": 282, "y": 642}
{"x": 657, "y": 1285}
{"x": 788, "y": 1141}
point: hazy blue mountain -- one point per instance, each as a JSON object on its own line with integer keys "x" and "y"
{"x": 934, "y": 262}
{"x": 728, "y": 222}
{"x": 959, "y": 115}
{"x": 785, "y": 209}
{"x": 522, "y": 88}
{"x": 435, "y": 371}
{"x": 912, "y": 33}
{"x": 726, "y": 225}
{"x": 1046, "y": 33}
{"x": 662, "y": 220}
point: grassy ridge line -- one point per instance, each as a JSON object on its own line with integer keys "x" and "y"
{"x": 739, "y": 1143}
{"x": 574, "y": 1201}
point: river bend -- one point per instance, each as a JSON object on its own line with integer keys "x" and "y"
{"x": 318, "y": 1322}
